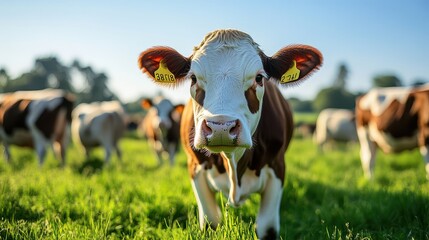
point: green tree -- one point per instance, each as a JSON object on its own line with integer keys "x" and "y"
{"x": 340, "y": 80}
{"x": 334, "y": 98}
{"x": 300, "y": 105}
{"x": 4, "y": 79}
{"x": 96, "y": 88}
{"x": 386, "y": 81}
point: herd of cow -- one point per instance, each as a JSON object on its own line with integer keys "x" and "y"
{"x": 48, "y": 118}
{"x": 236, "y": 127}
{"x": 393, "y": 119}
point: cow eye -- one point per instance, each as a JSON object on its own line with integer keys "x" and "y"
{"x": 193, "y": 79}
{"x": 259, "y": 79}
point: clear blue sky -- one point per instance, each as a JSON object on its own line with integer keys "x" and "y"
{"x": 371, "y": 36}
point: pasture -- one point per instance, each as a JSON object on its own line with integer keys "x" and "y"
{"x": 325, "y": 197}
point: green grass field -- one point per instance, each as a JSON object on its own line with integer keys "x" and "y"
{"x": 325, "y": 197}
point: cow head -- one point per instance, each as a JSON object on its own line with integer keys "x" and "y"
{"x": 165, "y": 113}
{"x": 228, "y": 71}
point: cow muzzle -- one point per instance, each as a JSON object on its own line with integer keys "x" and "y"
{"x": 218, "y": 136}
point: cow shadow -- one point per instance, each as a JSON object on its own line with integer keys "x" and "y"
{"x": 90, "y": 166}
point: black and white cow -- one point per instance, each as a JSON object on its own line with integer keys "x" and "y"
{"x": 36, "y": 119}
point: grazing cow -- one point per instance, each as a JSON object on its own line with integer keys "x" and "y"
{"x": 335, "y": 125}
{"x": 99, "y": 124}
{"x": 394, "y": 119}
{"x": 35, "y": 119}
{"x": 161, "y": 127}
{"x": 237, "y": 126}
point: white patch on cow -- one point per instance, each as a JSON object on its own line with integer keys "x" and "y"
{"x": 367, "y": 151}
{"x": 208, "y": 209}
{"x": 391, "y": 144}
{"x": 378, "y": 99}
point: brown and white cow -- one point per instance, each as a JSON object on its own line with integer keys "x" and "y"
{"x": 394, "y": 119}
{"x": 161, "y": 127}
{"x": 99, "y": 124}
{"x": 36, "y": 119}
{"x": 335, "y": 125}
{"x": 237, "y": 126}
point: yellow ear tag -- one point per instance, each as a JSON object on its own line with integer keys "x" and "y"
{"x": 163, "y": 75}
{"x": 291, "y": 75}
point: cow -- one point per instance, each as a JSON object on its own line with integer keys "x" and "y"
{"x": 99, "y": 124}
{"x": 335, "y": 125}
{"x": 36, "y": 119}
{"x": 161, "y": 127}
{"x": 394, "y": 119}
{"x": 236, "y": 126}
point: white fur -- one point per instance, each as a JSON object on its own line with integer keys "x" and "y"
{"x": 378, "y": 99}
{"x": 335, "y": 125}
{"x": 89, "y": 126}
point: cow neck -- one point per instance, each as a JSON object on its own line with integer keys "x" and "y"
{"x": 230, "y": 161}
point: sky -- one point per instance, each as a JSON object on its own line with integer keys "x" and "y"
{"x": 371, "y": 37}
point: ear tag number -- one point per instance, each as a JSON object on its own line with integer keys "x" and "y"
{"x": 291, "y": 75}
{"x": 163, "y": 75}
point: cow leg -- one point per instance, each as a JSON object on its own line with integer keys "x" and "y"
{"x": 59, "y": 151}
{"x": 208, "y": 210}
{"x": 367, "y": 152}
{"x": 41, "y": 152}
{"x": 172, "y": 153}
{"x": 6, "y": 152}
{"x": 268, "y": 220}
{"x": 87, "y": 152}
{"x": 425, "y": 153}
{"x": 118, "y": 151}
{"x": 107, "y": 154}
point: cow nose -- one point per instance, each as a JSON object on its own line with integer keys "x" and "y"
{"x": 221, "y": 132}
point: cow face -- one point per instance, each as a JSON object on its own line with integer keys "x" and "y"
{"x": 163, "y": 111}
{"x": 227, "y": 73}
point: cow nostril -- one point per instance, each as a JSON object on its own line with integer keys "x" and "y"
{"x": 235, "y": 128}
{"x": 206, "y": 129}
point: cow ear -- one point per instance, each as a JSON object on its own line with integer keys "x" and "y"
{"x": 164, "y": 65}
{"x": 293, "y": 63}
{"x": 179, "y": 108}
{"x": 176, "y": 114}
{"x": 146, "y": 103}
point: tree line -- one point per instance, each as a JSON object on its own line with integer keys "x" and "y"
{"x": 49, "y": 72}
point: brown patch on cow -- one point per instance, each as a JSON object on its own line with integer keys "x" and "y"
{"x": 252, "y": 99}
{"x": 149, "y": 60}
{"x": 421, "y": 107}
{"x": 363, "y": 116}
{"x": 13, "y": 114}
{"x": 398, "y": 120}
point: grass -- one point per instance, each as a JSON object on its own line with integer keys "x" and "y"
{"x": 325, "y": 197}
